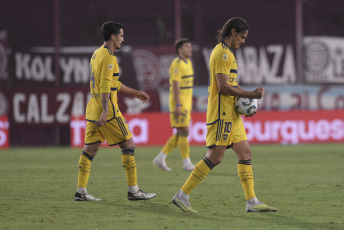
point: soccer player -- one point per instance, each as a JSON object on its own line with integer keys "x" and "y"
{"x": 104, "y": 119}
{"x": 224, "y": 125}
{"x": 180, "y": 105}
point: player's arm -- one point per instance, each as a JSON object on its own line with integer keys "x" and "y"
{"x": 105, "y": 89}
{"x": 176, "y": 95}
{"x": 105, "y": 83}
{"x": 225, "y": 88}
{"x": 105, "y": 104}
{"x": 141, "y": 95}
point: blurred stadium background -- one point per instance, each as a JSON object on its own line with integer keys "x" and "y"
{"x": 295, "y": 50}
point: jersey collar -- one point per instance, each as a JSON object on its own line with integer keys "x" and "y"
{"x": 111, "y": 53}
{"x": 224, "y": 44}
{"x": 182, "y": 59}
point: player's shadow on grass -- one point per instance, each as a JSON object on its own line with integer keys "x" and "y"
{"x": 167, "y": 209}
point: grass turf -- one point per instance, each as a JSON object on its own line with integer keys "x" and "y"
{"x": 305, "y": 183}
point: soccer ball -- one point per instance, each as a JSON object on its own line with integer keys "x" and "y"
{"x": 246, "y": 106}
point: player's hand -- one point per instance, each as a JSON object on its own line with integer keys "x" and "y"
{"x": 142, "y": 96}
{"x": 102, "y": 120}
{"x": 258, "y": 93}
{"x": 178, "y": 111}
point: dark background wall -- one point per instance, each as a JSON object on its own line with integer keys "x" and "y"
{"x": 30, "y": 23}
{"x": 148, "y": 24}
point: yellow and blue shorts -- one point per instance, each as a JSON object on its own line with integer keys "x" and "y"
{"x": 225, "y": 132}
{"x": 115, "y": 131}
{"x": 181, "y": 121}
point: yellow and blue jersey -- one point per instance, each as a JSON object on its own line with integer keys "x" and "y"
{"x": 182, "y": 71}
{"x": 104, "y": 79}
{"x": 220, "y": 106}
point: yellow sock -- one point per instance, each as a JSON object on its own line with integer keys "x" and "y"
{"x": 184, "y": 147}
{"x": 200, "y": 171}
{"x": 84, "y": 169}
{"x": 170, "y": 144}
{"x": 246, "y": 177}
{"x": 129, "y": 165}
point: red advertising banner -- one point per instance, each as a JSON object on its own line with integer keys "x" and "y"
{"x": 4, "y": 137}
{"x": 148, "y": 129}
{"x": 295, "y": 127}
{"x": 153, "y": 129}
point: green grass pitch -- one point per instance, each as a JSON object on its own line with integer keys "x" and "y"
{"x": 305, "y": 183}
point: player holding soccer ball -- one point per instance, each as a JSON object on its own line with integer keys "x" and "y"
{"x": 225, "y": 127}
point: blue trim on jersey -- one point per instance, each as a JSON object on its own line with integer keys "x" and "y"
{"x": 219, "y": 130}
{"x": 228, "y": 147}
{"x": 218, "y": 112}
{"x": 121, "y": 126}
{"x": 93, "y": 143}
{"x": 233, "y": 71}
{"x": 224, "y": 45}
{"x": 182, "y": 59}
{"x": 118, "y": 143}
{"x": 212, "y": 122}
{"x": 110, "y": 119}
{"x": 95, "y": 121}
{"x": 115, "y": 74}
{"x": 113, "y": 107}
{"x": 186, "y": 87}
{"x": 114, "y": 89}
{"x": 187, "y": 76}
{"x": 109, "y": 50}
{"x": 218, "y": 116}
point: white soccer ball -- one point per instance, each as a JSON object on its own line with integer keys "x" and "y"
{"x": 246, "y": 106}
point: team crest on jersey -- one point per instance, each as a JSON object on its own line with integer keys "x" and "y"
{"x": 225, "y": 57}
{"x": 175, "y": 70}
{"x": 110, "y": 67}
{"x": 225, "y": 136}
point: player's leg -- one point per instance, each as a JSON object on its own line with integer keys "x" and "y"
{"x": 117, "y": 132}
{"x": 245, "y": 173}
{"x": 93, "y": 139}
{"x": 213, "y": 157}
{"x": 183, "y": 144}
{"x": 170, "y": 145}
{"x": 160, "y": 159}
{"x": 129, "y": 165}
{"x": 217, "y": 140}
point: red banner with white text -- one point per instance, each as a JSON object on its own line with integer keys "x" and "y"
{"x": 4, "y": 127}
{"x": 153, "y": 129}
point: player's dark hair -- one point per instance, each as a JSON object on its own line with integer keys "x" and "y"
{"x": 239, "y": 24}
{"x": 109, "y": 28}
{"x": 180, "y": 42}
